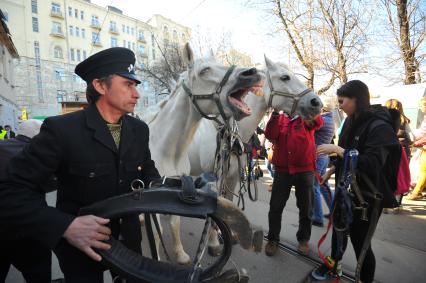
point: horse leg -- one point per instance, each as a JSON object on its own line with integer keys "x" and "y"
{"x": 181, "y": 256}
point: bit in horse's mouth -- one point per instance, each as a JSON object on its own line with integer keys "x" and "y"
{"x": 237, "y": 96}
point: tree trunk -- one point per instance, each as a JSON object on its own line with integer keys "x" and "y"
{"x": 406, "y": 51}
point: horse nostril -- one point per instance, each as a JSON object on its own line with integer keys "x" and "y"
{"x": 315, "y": 102}
{"x": 249, "y": 72}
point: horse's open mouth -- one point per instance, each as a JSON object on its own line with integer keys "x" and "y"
{"x": 237, "y": 96}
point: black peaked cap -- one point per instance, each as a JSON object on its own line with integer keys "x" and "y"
{"x": 111, "y": 61}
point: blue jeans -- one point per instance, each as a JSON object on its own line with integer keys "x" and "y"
{"x": 270, "y": 167}
{"x": 321, "y": 164}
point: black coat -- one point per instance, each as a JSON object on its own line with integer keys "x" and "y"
{"x": 79, "y": 149}
{"x": 373, "y": 135}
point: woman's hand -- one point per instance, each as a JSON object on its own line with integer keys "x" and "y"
{"x": 327, "y": 174}
{"x": 330, "y": 149}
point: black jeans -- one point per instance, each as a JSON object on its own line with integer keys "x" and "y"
{"x": 28, "y": 256}
{"x": 304, "y": 196}
{"x": 358, "y": 232}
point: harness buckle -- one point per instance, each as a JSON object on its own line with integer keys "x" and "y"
{"x": 137, "y": 186}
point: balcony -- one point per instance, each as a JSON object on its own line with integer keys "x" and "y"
{"x": 97, "y": 43}
{"x": 57, "y": 33}
{"x": 114, "y": 30}
{"x": 76, "y": 97}
{"x": 141, "y": 39}
{"x": 56, "y": 14}
{"x": 95, "y": 25}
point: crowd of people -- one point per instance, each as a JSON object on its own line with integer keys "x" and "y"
{"x": 382, "y": 137}
{"x": 87, "y": 156}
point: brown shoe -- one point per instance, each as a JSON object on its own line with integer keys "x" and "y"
{"x": 303, "y": 248}
{"x": 271, "y": 248}
{"x": 414, "y": 196}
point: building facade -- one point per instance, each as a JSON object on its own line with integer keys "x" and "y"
{"x": 9, "y": 110}
{"x": 53, "y": 36}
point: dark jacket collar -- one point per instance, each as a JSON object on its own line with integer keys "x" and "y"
{"x": 95, "y": 122}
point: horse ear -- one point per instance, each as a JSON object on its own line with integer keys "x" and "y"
{"x": 188, "y": 55}
{"x": 269, "y": 64}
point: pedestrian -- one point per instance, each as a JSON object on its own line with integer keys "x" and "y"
{"x": 405, "y": 137}
{"x": 14, "y": 249}
{"x": 370, "y": 130}
{"x": 420, "y": 142}
{"x": 3, "y": 133}
{"x": 294, "y": 161}
{"x": 9, "y": 133}
{"x": 323, "y": 135}
{"x": 95, "y": 154}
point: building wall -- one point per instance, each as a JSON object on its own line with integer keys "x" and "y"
{"x": 49, "y": 55}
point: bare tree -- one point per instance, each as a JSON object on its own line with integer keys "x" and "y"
{"x": 407, "y": 24}
{"x": 344, "y": 25}
{"x": 164, "y": 72}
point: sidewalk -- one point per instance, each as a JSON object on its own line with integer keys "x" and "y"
{"x": 399, "y": 242}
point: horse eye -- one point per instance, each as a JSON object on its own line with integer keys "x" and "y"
{"x": 285, "y": 78}
{"x": 204, "y": 71}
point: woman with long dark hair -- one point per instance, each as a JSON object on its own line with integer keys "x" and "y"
{"x": 369, "y": 129}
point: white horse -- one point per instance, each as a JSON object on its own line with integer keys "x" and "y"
{"x": 206, "y": 88}
{"x": 283, "y": 91}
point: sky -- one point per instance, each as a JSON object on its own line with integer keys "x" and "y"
{"x": 249, "y": 29}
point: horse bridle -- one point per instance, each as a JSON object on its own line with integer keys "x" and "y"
{"x": 296, "y": 97}
{"x": 214, "y": 96}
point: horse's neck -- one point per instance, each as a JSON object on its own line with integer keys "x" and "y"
{"x": 171, "y": 133}
{"x": 248, "y": 125}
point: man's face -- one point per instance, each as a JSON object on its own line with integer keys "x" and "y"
{"x": 122, "y": 96}
{"x": 7, "y": 128}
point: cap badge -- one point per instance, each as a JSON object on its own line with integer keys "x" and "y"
{"x": 131, "y": 68}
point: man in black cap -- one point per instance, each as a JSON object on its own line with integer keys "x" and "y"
{"x": 95, "y": 153}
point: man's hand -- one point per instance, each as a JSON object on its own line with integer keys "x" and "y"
{"x": 329, "y": 149}
{"x": 88, "y": 232}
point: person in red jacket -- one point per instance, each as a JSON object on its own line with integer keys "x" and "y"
{"x": 294, "y": 159}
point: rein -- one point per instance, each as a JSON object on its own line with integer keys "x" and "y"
{"x": 296, "y": 97}
{"x": 215, "y": 96}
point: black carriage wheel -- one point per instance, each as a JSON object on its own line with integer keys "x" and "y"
{"x": 218, "y": 265}
{"x": 249, "y": 180}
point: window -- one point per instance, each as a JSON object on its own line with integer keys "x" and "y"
{"x": 56, "y": 27}
{"x": 153, "y": 54}
{"x": 129, "y": 45}
{"x": 78, "y": 55}
{"x": 165, "y": 32}
{"x": 113, "y": 26}
{"x": 34, "y": 6}
{"x": 57, "y": 52}
{"x": 142, "y": 49}
{"x": 95, "y": 20}
{"x": 71, "y": 30}
{"x": 123, "y": 28}
{"x": 95, "y": 38}
{"x": 83, "y": 33}
{"x": 77, "y": 31}
{"x": 153, "y": 40}
{"x": 133, "y": 46}
{"x": 35, "y": 24}
{"x": 132, "y": 30}
{"x": 141, "y": 34}
{"x": 128, "y": 29}
{"x": 114, "y": 42}
{"x": 84, "y": 55}
{"x": 70, "y": 11}
{"x": 124, "y": 43}
{"x": 76, "y": 13}
{"x": 60, "y": 74}
{"x": 61, "y": 95}
{"x": 56, "y": 8}
{"x": 175, "y": 36}
{"x": 72, "y": 57}
{"x": 82, "y": 15}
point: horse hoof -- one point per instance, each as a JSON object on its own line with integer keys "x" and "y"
{"x": 184, "y": 259}
{"x": 215, "y": 250}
